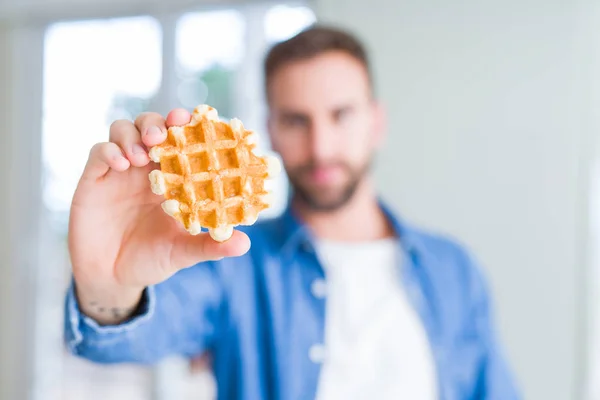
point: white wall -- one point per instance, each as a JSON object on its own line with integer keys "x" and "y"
{"x": 20, "y": 113}
{"x": 490, "y": 129}
{"x": 11, "y": 364}
{"x": 6, "y": 308}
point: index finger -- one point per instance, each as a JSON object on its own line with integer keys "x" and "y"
{"x": 152, "y": 127}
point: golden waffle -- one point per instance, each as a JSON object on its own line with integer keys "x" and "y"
{"x": 210, "y": 176}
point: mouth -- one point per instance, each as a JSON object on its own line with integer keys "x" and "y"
{"x": 324, "y": 175}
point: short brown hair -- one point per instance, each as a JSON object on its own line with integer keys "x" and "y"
{"x": 311, "y": 42}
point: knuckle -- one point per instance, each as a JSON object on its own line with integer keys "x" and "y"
{"x": 96, "y": 149}
{"x": 146, "y": 116}
{"x": 97, "y": 152}
{"x": 102, "y": 150}
{"x": 118, "y": 127}
{"x": 119, "y": 123}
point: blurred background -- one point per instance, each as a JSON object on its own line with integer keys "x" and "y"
{"x": 494, "y": 114}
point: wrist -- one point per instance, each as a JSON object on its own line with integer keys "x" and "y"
{"x": 109, "y": 304}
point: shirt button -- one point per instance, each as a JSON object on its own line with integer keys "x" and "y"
{"x": 318, "y": 288}
{"x": 316, "y": 353}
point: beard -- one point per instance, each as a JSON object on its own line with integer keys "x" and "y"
{"x": 327, "y": 198}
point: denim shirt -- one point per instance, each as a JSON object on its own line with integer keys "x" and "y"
{"x": 259, "y": 317}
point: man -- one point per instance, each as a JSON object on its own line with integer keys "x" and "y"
{"x": 336, "y": 299}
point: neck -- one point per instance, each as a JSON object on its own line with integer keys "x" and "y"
{"x": 360, "y": 219}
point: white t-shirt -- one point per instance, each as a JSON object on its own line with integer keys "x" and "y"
{"x": 375, "y": 345}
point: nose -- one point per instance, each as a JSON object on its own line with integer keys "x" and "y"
{"x": 322, "y": 141}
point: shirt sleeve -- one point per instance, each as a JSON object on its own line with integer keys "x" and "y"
{"x": 177, "y": 317}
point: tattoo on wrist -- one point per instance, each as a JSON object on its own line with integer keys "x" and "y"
{"x": 115, "y": 312}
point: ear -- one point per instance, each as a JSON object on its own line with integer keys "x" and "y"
{"x": 380, "y": 124}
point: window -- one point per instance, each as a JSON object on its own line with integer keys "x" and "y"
{"x": 283, "y": 21}
{"x": 95, "y": 72}
{"x": 206, "y": 67}
{"x": 101, "y": 70}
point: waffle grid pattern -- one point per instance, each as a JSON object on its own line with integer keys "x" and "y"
{"x": 210, "y": 170}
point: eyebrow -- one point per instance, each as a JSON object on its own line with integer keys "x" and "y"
{"x": 299, "y": 114}
{"x": 292, "y": 114}
{"x": 347, "y": 107}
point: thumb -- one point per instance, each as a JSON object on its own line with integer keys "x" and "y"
{"x": 189, "y": 250}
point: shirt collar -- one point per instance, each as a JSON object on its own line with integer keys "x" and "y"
{"x": 410, "y": 238}
{"x": 296, "y": 234}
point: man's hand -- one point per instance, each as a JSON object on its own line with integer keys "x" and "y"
{"x": 120, "y": 239}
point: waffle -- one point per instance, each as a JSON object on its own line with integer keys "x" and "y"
{"x": 210, "y": 176}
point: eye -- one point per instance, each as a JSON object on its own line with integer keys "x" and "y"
{"x": 342, "y": 114}
{"x": 295, "y": 121}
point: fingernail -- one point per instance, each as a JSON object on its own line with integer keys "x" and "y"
{"x": 154, "y": 131}
{"x": 137, "y": 149}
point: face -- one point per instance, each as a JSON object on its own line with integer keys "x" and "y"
{"x": 326, "y": 127}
